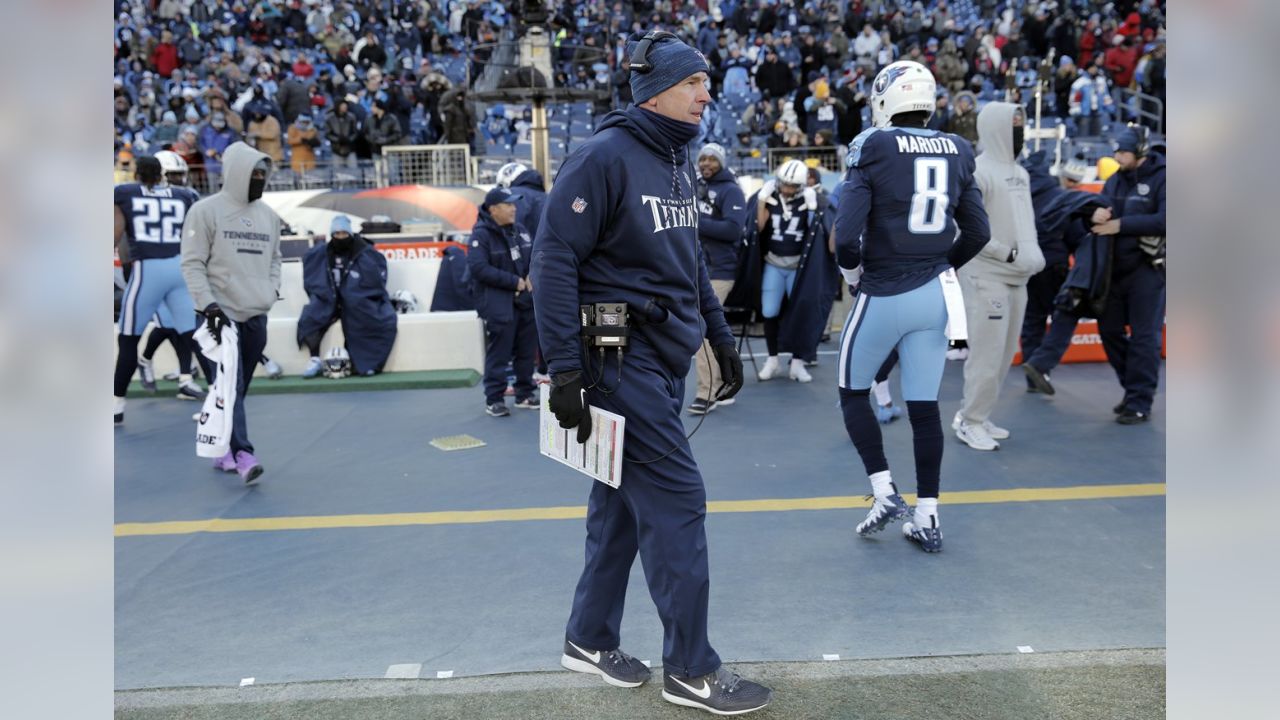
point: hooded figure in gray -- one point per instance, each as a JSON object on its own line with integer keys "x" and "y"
{"x": 995, "y": 282}
{"x": 231, "y": 241}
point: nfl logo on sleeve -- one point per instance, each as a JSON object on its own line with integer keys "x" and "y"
{"x": 579, "y": 205}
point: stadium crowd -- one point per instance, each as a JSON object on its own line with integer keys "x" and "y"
{"x": 317, "y": 81}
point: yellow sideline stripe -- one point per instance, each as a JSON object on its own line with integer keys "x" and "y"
{"x": 572, "y": 512}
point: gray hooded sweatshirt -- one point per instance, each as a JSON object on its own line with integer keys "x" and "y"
{"x": 1006, "y": 193}
{"x": 230, "y": 246}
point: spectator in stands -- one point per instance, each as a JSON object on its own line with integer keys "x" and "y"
{"x": 213, "y": 140}
{"x": 722, "y": 217}
{"x": 382, "y": 128}
{"x": 164, "y": 58}
{"x": 217, "y": 100}
{"x": 1121, "y": 60}
{"x": 499, "y": 133}
{"x": 1063, "y": 79}
{"x": 264, "y": 134}
{"x": 501, "y": 251}
{"x": 849, "y": 114}
{"x": 941, "y": 113}
{"x": 342, "y": 130}
{"x": 166, "y": 133}
{"x": 346, "y": 281}
{"x": 303, "y": 139}
{"x": 459, "y": 118}
{"x": 964, "y": 121}
{"x": 1090, "y": 101}
{"x": 867, "y": 49}
{"x": 949, "y": 69}
{"x": 773, "y": 77}
{"x": 293, "y": 99}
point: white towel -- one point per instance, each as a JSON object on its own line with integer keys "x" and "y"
{"x": 213, "y": 432}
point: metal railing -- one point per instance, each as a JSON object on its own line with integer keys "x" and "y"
{"x": 1147, "y": 107}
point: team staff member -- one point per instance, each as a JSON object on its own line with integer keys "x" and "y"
{"x": 722, "y": 211}
{"x": 620, "y": 225}
{"x": 1136, "y": 299}
{"x": 499, "y": 262}
{"x": 231, "y": 262}
{"x": 995, "y": 283}
{"x": 905, "y": 194}
{"x": 149, "y": 215}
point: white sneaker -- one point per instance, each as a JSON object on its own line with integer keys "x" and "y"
{"x": 958, "y": 354}
{"x": 770, "y": 368}
{"x": 995, "y": 431}
{"x": 798, "y": 373}
{"x": 274, "y": 371}
{"x": 976, "y": 437}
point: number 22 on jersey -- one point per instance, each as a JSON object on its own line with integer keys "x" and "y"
{"x": 158, "y": 220}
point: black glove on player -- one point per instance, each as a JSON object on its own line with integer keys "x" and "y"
{"x": 730, "y": 371}
{"x": 568, "y": 401}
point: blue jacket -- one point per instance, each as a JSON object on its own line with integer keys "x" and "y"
{"x": 1137, "y": 198}
{"x": 620, "y": 225}
{"x": 722, "y": 216}
{"x": 218, "y": 141}
{"x": 498, "y": 259}
{"x": 360, "y": 301}
{"x": 453, "y": 282}
{"x": 531, "y": 193}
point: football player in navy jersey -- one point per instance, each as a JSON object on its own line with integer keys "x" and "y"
{"x": 149, "y": 213}
{"x": 906, "y": 192}
{"x": 787, "y": 223}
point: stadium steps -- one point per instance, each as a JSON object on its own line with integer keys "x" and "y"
{"x": 417, "y": 380}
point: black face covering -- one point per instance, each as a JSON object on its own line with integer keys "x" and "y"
{"x": 1017, "y": 140}
{"x": 256, "y": 186}
{"x": 342, "y": 245}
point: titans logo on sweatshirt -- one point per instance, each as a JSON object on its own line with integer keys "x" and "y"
{"x": 668, "y": 214}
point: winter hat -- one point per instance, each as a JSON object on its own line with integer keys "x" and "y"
{"x": 341, "y": 223}
{"x": 1127, "y": 141}
{"x": 169, "y": 117}
{"x": 672, "y": 62}
{"x": 497, "y": 196}
{"x": 715, "y": 151}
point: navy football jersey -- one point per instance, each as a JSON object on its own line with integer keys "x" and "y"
{"x": 907, "y": 193}
{"x": 153, "y": 218}
{"x": 784, "y": 233}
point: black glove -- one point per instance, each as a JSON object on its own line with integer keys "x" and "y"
{"x": 730, "y": 371}
{"x": 568, "y": 401}
{"x": 215, "y": 319}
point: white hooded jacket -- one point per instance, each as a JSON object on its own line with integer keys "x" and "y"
{"x": 1006, "y": 193}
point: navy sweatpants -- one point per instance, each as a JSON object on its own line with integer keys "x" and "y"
{"x": 510, "y": 342}
{"x": 1136, "y": 300}
{"x": 657, "y": 512}
{"x": 253, "y": 340}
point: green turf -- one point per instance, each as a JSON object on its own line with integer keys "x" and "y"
{"x": 418, "y": 380}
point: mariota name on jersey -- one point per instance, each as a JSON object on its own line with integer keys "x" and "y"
{"x": 932, "y": 145}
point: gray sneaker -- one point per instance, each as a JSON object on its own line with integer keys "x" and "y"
{"x": 616, "y": 667}
{"x": 147, "y": 374}
{"x": 722, "y": 692}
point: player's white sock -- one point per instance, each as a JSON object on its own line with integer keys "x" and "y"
{"x": 184, "y": 378}
{"x": 883, "y": 397}
{"x": 926, "y": 512}
{"x": 881, "y": 484}
{"x": 119, "y": 405}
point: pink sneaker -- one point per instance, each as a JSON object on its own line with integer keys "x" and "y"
{"x": 226, "y": 463}
{"x": 248, "y": 467}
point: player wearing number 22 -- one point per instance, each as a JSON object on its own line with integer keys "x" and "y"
{"x": 906, "y": 191}
{"x": 149, "y": 213}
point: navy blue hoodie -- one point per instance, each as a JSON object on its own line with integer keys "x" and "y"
{"x": 498, "y": 259}
{"x": 531, "y": 193}
{"x": 1137, "y": 198}
{"x": 621, "y": 225}
{"x": 723, "y": 210}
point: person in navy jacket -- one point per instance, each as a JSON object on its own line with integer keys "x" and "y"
{"x": 1136, "y": 298}
{"x": 499, "y": 263}
{"x": 722, "y": 213}
{"x": 621, "y": 225}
